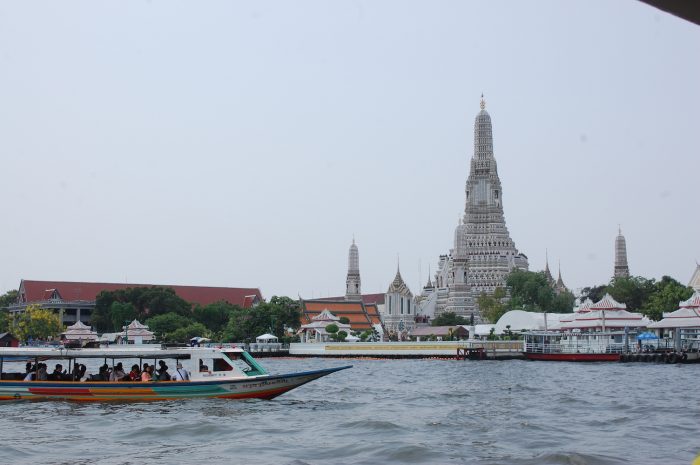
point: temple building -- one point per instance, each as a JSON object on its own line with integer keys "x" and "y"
{"x": 558, "y": 285}
{"x": 352, "y": 281}
{"x": 399, "y": 310}
{"x": 621, "y": 268}
{"x": 483, "y": 253}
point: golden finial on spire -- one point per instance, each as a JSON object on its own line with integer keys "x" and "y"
{"x": 483, "y": 102}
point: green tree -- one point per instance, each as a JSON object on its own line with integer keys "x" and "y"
{"x": 273, "y": 317}
{"x": 332, "y": 329}
{"x": 37, "y": 323}
{"x": 530, "y": 291}
{"x": 562, "y": 303}
{"x": 449, "y": 319}
{"x": 492, "y": 306}
{"x": 665, "y": 298}
{"x": 215, "y": 316}
{"x": 4, "y": 321}
{"x": 186, "y": 333}
{"x": 595, "y": 293}
{"x": 121, "y": 313}
{"x": 148, "y": 302}
{"x": 165, "y": 325}
{"x": 7, "y": 299}
{"x": 340, "y": 336}
{"x": 633, "y": 291}
{"x": 344, "y": 320}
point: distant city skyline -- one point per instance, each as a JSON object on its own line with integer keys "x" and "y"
{"x": 244, "y": 145}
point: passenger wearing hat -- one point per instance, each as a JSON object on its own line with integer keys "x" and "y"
{"x": 180, "y": 374}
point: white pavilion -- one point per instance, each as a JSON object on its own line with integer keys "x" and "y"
{"x": 606, "y": 314}
{"x": 316, "y": 330}
{"x": 79, "y": 332}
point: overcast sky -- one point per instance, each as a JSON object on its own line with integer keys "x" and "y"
{"x": 244, "y": 143}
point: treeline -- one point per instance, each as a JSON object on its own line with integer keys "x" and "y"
{"x": 173, "y": 319}
{"x": 530, "y": 291}
{"x": 643, "y": 295}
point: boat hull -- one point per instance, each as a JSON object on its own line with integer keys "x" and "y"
{"x": 261, "y": 387}
{"x": 561, "y": 357}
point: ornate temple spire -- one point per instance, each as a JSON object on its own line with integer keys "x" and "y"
{"x": 483, "y": 134}
{"x": 429, "y": 285}
{"x": 398, "y": 285}
{"x": 547, "y": 273}
{"x": 560, "y": 282}
{"x": 621, "y": 268}
{"x": 352, "y": 282}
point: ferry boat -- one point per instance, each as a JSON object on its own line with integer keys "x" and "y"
{"x": 576, "y": 346}
{"x": 226, "y": 373}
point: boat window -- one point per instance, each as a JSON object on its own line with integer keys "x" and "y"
{"x": 245, "y": 363}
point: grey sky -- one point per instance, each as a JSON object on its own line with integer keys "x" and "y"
{"x": 244, "y": 143}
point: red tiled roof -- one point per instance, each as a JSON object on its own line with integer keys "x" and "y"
{"x": 37, "y": 291}
{"x": 373, "y": 313}
{"x": 354, "y": 311}
{"x": 366, "y": 299}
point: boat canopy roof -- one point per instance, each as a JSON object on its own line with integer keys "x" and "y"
{"x": 134, "y": 351}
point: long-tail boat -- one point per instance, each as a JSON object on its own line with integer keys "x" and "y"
{"x": 226, "y": 373}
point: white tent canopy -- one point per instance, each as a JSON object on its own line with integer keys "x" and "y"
{"x": 267, "y": 337}
{"x": 519, "y": 320}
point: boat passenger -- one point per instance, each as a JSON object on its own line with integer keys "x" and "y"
{"x": 41, "y": 374}
{"x": 180, "y": 374}
{"x": 118, "y": 373}
{"x": 57, "y": 374}
{"x": 135, "y": 374}
{"x": 103, "y": 374}
{"x": 146, "y": 373}
{"x": 75, "y": 376}
{"x": 83, "y": 369}
{"x": 30, "y": 376}
{"x": 162, "y": 371}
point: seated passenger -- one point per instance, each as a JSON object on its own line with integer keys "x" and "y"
{"x": 135, "y": 373}
{"x": 118, "y": 373}
{"x": 162, "y": 371}
{"x": 30, "y": 376}
{"x": 75, "y": 376}
{"x": 41, "y": 374}
{"x": 180, "y": 374}
{"x": 57, "y": 373}
{"x": 103, "y": 374}
{"x": 146, "y": 374}
{"x": 81, "y": 374}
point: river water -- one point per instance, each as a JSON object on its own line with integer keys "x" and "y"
{"x": 389, "y": 412}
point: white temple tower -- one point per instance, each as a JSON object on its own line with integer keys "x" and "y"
{"x": 352, "y": 281}
{"x": 621, "y": 268}
{"x": 483, "y": 253}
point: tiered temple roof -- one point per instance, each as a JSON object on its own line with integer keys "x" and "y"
{"x": 361, "y": 316}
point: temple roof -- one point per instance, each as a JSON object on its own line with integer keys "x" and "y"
{"x": 608, "y": 303}
{"x": 692, "y": 302}
{"x": 359, "y": 314}
{"x": 398, "y": 285}
{"x": 36, "y": 291}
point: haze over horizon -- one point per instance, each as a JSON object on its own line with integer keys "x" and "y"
{"x": 238, "y": 144}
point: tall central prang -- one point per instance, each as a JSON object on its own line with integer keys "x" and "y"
{"x": 483, "y": 252}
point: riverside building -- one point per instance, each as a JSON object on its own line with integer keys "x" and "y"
{"x": 483, "y": 253}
